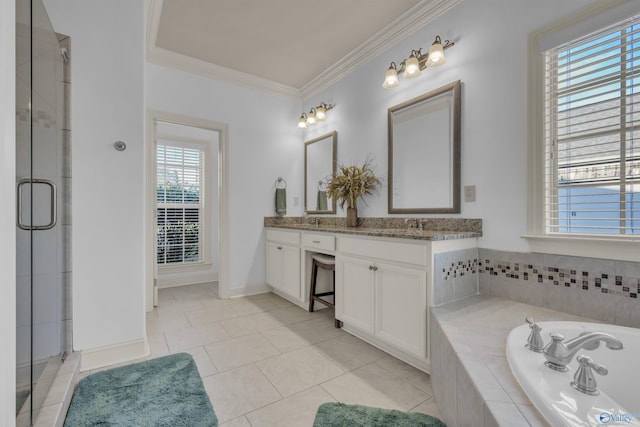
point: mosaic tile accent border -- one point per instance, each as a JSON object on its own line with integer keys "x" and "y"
{"x": 460, "y": 269}
{"x": 577, "y": 279}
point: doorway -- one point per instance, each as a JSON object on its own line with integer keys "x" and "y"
{"x": 186, "y": 203}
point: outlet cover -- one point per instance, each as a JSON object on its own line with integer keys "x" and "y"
{"x": 469, "y": 193}
{"x": 296, "y": 200}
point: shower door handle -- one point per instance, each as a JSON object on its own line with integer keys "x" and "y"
{"x": 54, "y": 210}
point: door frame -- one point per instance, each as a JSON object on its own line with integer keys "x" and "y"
{"x": 153, "y": 116}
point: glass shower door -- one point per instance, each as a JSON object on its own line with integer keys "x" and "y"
{"x": 39, "y": 237}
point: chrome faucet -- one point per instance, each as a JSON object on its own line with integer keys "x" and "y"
{"x": 559, "y": 354}
{"x": 534, "y": 342}
{"x": 413, "y": 224}
{"x": 583, "y": 379}
{"x": 312, "y": 220}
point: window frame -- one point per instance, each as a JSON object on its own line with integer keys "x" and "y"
{"x": 586, "y": 21}
{"x": 205, "y": 218}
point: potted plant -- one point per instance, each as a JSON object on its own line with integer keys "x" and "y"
{"x": 350, "y": 184}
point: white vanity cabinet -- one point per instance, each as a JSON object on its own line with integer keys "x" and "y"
{"x": 384, "y": 285}
{"x": 283, "y": 262}
{"x": 382, "y": 293}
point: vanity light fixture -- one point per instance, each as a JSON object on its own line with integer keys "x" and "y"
{"x": 316, "y": 114}
{"x": 412, "y": 67}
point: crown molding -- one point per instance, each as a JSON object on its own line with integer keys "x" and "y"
{"x": 403, "y": 26}
{"x": 205, "y": 69}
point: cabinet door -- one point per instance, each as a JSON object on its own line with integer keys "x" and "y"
{"x": 290, "y": 271}
{"x": 401, "y": 309}
{"x": 355, "y": 294}
{"x": 274, "y": 264}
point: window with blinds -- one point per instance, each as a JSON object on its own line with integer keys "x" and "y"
{"x": 592, "y": 119}
{"x": 179, "y": 204}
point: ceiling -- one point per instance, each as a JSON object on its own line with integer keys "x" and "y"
{"x": 291, "y": 46}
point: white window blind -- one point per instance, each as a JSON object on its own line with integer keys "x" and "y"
{"x": 592, "y": 132}
{"x": 179, "y": 204}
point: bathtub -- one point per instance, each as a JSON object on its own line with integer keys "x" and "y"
{"x": 618, "y": 403}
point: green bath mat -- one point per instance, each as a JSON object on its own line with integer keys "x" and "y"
{"x": 338, "y": 414}
{"x": 166, "y": 391}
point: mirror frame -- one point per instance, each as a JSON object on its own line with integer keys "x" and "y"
{"x": 455, "y": 150}
{"x": 334, "y": 149}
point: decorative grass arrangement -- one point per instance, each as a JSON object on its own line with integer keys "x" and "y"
{"x": 350, "y": 184}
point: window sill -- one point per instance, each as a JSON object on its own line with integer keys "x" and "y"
{"x": 622, "y": 249}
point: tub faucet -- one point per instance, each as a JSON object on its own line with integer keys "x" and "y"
{"x": 559, "y": 354}
{"x": 534, "y": 342}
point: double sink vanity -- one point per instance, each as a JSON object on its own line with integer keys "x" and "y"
{"x": 384, "y": 276}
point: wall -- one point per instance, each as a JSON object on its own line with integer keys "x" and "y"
{"x": 490, "y": 58}
{"x": 7, "y": 214}
{"x": 263, "y": 145}
{"x": 107, "y": 105}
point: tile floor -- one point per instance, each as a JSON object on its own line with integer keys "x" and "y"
{"x": 267, "y": 362}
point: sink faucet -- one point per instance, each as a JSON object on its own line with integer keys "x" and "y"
{"x": 312, "y": 220}
{"x": 413, "y": 224}
{"x": 559, "y": 354}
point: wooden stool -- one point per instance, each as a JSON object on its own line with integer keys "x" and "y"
{"x": 325, "y": 262}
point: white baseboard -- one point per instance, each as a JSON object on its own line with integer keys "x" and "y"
{"x": 114, "y": 354}
{"x": 184, "y": 279}
{"x": 248, "y": 290}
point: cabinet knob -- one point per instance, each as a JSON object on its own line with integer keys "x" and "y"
{"x": 279, "y": 248}
{"x": 375, "y": 268}
{"x": 371, "y": 267}
{"x": 315, "y": 241}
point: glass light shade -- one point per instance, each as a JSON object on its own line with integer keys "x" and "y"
{"x": 302, "y": 122}
{"x": 436, "y": 55}
{"x": 311, "y": 118}
{"x": 411, "y": 68}
{"x": 321, "y": 114}
{"x": 390, "y": 78}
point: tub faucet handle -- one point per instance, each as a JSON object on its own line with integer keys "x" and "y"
{"x": 583, "y": 379}
{"x": 534, "y": 342}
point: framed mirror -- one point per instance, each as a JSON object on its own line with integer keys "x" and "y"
{"x": 319, "y": 166}
{"x": 424, "y": 153}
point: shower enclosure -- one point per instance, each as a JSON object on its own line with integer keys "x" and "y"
{"x": 43, "y": 227}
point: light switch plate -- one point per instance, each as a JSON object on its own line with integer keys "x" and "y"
{"x": 469, "y": 193}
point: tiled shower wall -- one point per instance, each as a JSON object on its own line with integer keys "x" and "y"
{"x": 600, "y": 289}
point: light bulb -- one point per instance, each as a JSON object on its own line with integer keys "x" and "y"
{"x": 391, "y": 77}
{"x": 321, "y": 114}
{"x": 411, "y": 67}
{"x": 302, "y": 122}
{"x": 311, "y": 117}
{"x": 436, "y": 54}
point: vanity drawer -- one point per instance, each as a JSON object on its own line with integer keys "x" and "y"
{"x": 290, "y": 237}
{"x": 319, "y": 241}
{"x": 410, "y": 253}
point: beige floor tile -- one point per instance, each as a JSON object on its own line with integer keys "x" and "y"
{"x": 349, "y": 352}
{"x": 232, "y": 353}
{"x": 293, "y": 314}
{"x": 208, "y": 315}
{"x": 245, "y": 325}
{"x": 236, "y": 392}
{"x": 174, "y": 306}
{"x": 158, "y": 323}
{"x": 203, "y": 361}
{"x": 374, "y": 386}
{"x": 297, "y": 410}
{"x": 413, "y": 376}
{"x": 302, "y": 334}
{"x": 258, "y": 304}
{"x": 298, "y": 370}
{"x": 193, "y": 292}
{"x": 158, "y": 347}
{"x": 195, "y": 336}
{"x": 429, "y": 407}
{"x": 237, "y": 422}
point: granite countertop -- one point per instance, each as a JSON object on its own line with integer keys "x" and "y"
{"x": 477, "y": 328}
{"x": 433, "y": 228}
